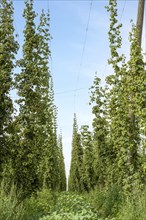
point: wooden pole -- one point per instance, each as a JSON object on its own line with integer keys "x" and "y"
{"x": 140, "y": 18}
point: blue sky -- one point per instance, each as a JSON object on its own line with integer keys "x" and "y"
{"x": 71, "y": 68}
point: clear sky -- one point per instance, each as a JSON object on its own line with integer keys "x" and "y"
{"x": 77, "y": 53}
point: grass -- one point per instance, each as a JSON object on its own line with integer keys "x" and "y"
{"x": 100, "y": 204}
{"x": 10, "y": 208}
{"x": 133, "y": 207}
{"x": 113, "y": 204}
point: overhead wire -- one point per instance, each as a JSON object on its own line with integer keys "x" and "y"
{"x": 70, "y": 91}
{"x": 83, "y": 50}
{"x": 122, "y": 11}
{"x": 82, "y": 54}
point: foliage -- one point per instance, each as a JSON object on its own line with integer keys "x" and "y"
{"x": 72, "y": 206}
{"x": 96, "y": 205}
{"x": 26, "y": 123}
{"x": 75, "y": 176}
{"x": 119, "y": 116}
{"x": 111, "y": 158}
{"x": 39, "y": 205}
{"x": 8, "y": 49}
{"x": 10, "y": 206}
{"x": 133, "y": 207}
{"x": 126, "y": 101}
{"x": 36, "y": 150}
{"x": 87, "y": 164}
{"x": 113, "y": 204}
{"x": 62, "y": 175}
{"x": 101, "y": 152}
{"x": 116, "y": 155}
{"x": 106, "y": 202}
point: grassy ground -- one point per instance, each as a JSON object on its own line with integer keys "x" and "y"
{"x": 97, "y": 205}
